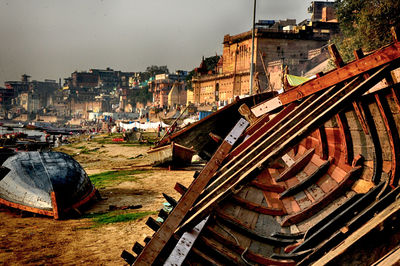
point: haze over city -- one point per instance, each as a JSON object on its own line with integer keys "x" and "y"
{"x": 51, "y": 39}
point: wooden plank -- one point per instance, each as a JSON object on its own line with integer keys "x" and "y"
{"x": 260, "y": 131}
{"x": 254, "y": 257}
{"x": 379, "y": 58}
{"x": 334, "y": 104}
{"x": 185, "y": 244}
{"x": 297, "y": 166}
{"x": 393, "y": 136}
{"x": 257, "y": 207}
{"x": 346, "y": 137}
{"x": 312, "y": 179}
{"x": 318, "y": 205}
{"x": 375, "y": 222}
{"x": 162, "y": 236}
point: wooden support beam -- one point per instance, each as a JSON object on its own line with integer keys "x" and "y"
{"x": 377, "y": 148}
{"x": 249, "y": 255}
{"x": 137, "y": 248}
{"x": 170, "y": 200}
{"x": 153, "y": 224}
{"x": 393, "y": 136}
{"x": 181, "y": 189}
{"x": 184, "y": 245}
{"x": 312, "y": 179}
{"x": 128, "y": 257}
{"x": 257, "y": 207}
{"x": 345, "y": 135}
{"x": 347, "y": 182}
{"x": 269, "y": 188}
{"x": 383, "y": 56}
{"x": 335, "y": 56}
{"x": 163, "y": 235}
{"x": 240, "y": 227}
{"x": 297, "y": 166}
{"x": 324, "y": 143}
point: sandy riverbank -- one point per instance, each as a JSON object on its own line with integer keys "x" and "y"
{"x": 28, "y": 239}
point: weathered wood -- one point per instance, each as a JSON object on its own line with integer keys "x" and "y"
{"x": 240, "y": 227}
{"x": 153, "y": 224}
{"x": 181, "y": 189}
{"x": 257, "y": 207}
{"x": 137, "y": 248}
{"x": 128, "y": 257}
{"x": 265, "y": 187}
{"x": 260, "y": 131}
{"x": 170, "y": 200}
{"x": 335, "y": 56}
{"x": 346, "y": 137}
{"x": 162, "y": 236}
{"x": 377, "y": 149}
{"x": 312, "y": 179}
{"x": 347, "y": 182}
{"x": 229, "y": 257}
{"x": 184, "y": 245}
{"x": 335, "y": 220}
{"x": 205, "y": 258}
{"x": 297, "y": 166}
{"x": 249, "y": 255}
{"x": 375, "y": 222}
{"x": 245, "y": 111}
{"x": 379, "y": 58}
{"x": 333, "y": 105}
{"x": 323, "y": 142}
{"x": 393, "y": 136}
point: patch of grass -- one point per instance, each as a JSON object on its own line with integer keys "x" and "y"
{"x": 104, "y": 179}
{"x": 116, "y": 217}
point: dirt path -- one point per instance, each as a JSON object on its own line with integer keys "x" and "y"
{"x": 26, "y": 239}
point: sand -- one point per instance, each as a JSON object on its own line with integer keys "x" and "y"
{"x": 28, "y": 239}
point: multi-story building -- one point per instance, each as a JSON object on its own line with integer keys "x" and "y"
{"x": 283, "y": 42}
{"x": 162, "y": 84}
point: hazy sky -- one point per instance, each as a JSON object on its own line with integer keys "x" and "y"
{"x": 53, "y": 38}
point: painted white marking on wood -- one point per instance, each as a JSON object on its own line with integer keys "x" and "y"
{"x": 267, "y": 106}
{"x": 288, "y": 160}
{"x": 236, "y": 131}
{"x": 184, "y": 245}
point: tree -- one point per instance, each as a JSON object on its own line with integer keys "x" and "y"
{"x": 365, "y": 24}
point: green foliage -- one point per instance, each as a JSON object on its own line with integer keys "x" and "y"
{"x": 211, "y": 62}
{"x": 104, "y": 179}
{"x": 365, "y": 24}
{"x": 115, "y": 217}
{"x": 140, "y": 96}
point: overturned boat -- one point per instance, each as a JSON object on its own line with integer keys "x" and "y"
{"x": 317, "y": 183}
{"x": 48, "y": 183}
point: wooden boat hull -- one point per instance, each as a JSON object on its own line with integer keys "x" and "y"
{"x": 48, "y": 183}
{"x": 172, "y": 154}
{"x": 308, "y": 186}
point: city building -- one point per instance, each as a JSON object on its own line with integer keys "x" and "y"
{"x": 278, "y": 45}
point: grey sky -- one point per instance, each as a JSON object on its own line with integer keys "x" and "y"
{"x": 53, "y": 38}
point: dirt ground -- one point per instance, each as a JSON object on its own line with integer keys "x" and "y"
{"x": 36, "y": 240}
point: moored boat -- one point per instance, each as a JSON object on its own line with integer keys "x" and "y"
{"x": 171, "y": 154}
{"x": 48, "y": 183}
